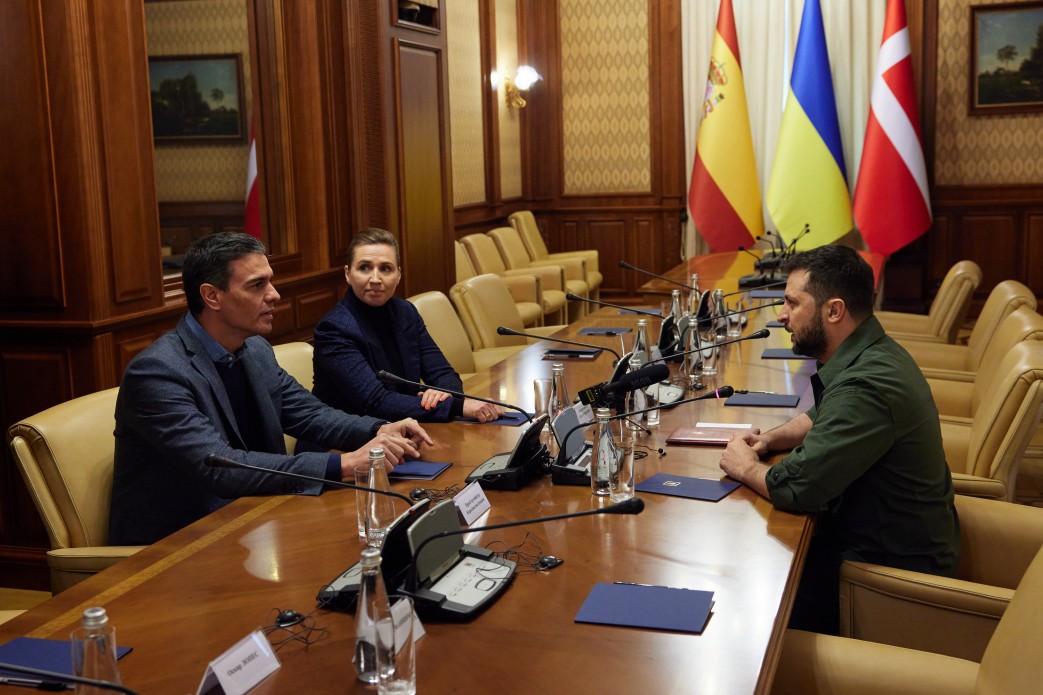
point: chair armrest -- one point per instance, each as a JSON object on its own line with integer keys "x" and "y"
{"x": 71, "y": 566}
{"x": 919, "y": 611}
{"x": 827, "y": 665}
{"x": 947, "y": 374}
{"x": 901, "y": 322}
{"x": 952, "y": 397}
{"x": 902, "y": 336}
{"x": 551, "y": 277}
{"x": 574, "y": 268}
{"x": 999, "y": 540}
{"x": 934, "y": 356}
{"x": 524, "y": 287}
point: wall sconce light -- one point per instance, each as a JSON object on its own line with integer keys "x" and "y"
{"x": 523, "y": 80}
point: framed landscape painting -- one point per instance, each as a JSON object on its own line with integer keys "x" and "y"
{"x": 1006, "y": 58}
{"x": 197, "y": 99}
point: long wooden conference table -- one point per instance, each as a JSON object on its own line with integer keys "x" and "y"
{"x": 184, "y": 600}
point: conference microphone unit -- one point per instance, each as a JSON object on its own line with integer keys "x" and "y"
{"x": 624, "y": 264}
{"x": 792, "y": 248}
{"x": 631, "y": 381}
{"x": 756, "y": 258}
{"x": 756, "y": 335}
{"x": 503, "y": 330}
{"x": 218, "y": 461}
{"x": 389, "y": 378}
{"x": 577, "y": 298}
{"x": 721, "y": 392}
{"x": 456, "y": 582}
{"x": 54, "y": 681}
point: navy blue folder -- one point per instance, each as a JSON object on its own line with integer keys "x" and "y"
{"x": 767, "y": 294}
{"x": 46, "y": 654}
{"x": 651, "y": 607}
{"x": 783, "y": 354}
{"x": 510, "y": 418}
{"x": 683, "y": 486}
{"x": 593, "y": 330}
{"x": 418, "y": 470}
{"x": 765, "y": 400}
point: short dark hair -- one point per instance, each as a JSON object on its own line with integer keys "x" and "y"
{"x": 374, "y": 236}
{"x": 836, "y": 271}
{"x": 208, "y": 261}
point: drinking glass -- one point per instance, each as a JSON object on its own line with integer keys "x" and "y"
{"x": 708, "y": 350}
{"x": 396, "y": 653}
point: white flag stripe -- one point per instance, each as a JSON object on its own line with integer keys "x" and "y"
{"x": 896, "y": 48}
{"x": 895, "y": 122}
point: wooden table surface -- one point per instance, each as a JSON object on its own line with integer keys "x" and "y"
{"x": 184, "y": 600}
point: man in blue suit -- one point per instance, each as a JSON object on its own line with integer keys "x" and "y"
{"x": 212, "y": 385}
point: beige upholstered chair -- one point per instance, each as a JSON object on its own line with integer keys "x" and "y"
{"x": 66, "y": 455}
{"x": 481, "y": 249}
{"x": 526, "y": 289}
{"x": 954, "y": 616}
{"x": 961, "y": 361}
{"x": 484, "y": 304}
{"x": 813, "y": 664}
{"x": 512, "y": 250}
{"x": 448, "y": 333}
{"x": 296, "y": 360}
{"x": 525, "y": 223}
{"x": 988, "y": 423}
{"x": 948, "y": 309}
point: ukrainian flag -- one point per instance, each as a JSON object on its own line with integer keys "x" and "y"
{"x": 808, "y": 184}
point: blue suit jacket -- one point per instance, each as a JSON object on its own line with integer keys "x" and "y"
{"x": 173, "y": 410}
{"x": 347, "y": 359}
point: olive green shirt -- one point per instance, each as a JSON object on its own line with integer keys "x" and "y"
{"x": 872, "y": 464}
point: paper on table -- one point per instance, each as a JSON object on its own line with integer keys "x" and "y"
{"x": 652, "y": 607}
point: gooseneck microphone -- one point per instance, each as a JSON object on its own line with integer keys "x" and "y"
{"x": 56, "y": 682}
{"x": 757, "y": 259}
{"x": 389, "y": 378}
{"x": 634, "y": 505}
{"x": 756, "y": 335}
{"x": 631, "y": 381}
{"x": 503, "y": 330}
{"x": 218, "y": 461}
{"x": 577, "y": 298}
{"x": 624, "y": 264}
{"x": 722, "y": 392}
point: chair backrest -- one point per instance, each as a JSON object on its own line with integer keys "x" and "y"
{"x": 1004, "y": 298}
{"x": 949, "y": 308}
{"x": 484, "y": 256}
{"x": 66, "y": 454}
{"x": 446, "y": 330}
{"x": 484, "y": 304}
{"x": 1020, "y": 325}
{"x": 464, "y": 266}
{"x": 1011, "y": 663}
{"x": 1008, "y": 415}
{"x": 296, "y": 360}
{"x": 525, "y": 222}
{"x": 510, "y": 245}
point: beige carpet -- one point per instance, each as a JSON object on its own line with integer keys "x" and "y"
{"x": 21, "y": 599}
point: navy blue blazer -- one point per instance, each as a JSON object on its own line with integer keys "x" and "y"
{"x": 347, "y": 359}
{"x": 173, "y": 410}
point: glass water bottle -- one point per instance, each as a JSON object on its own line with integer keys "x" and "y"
{"x": 604, "y": 459}
{"x": 94, "y": 651}
{"x": 372, "y": 607}
{"x": 380, "y": 509}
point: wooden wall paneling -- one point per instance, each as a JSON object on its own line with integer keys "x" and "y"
{"x": 1032, "y": 267}
{"x": 28, "y": 201}
{"x": 424, "y": 188}
{"x": 991, "y": 240}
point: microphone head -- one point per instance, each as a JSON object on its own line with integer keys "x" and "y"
{"x": 384, "y": 376}
{"x": 762, "y": 333}
{"x": 218, "y": 461}
{"x": 725, "y": 392}
{"x": 634, "y": 505}
{"x": 503, "y": 330}
{"x": 624, "y": 264}
{"x": 574, "y": 298}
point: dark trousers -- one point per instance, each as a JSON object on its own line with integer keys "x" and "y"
{"x": 816, "y": 607}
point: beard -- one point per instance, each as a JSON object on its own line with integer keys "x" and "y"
{"x": 811, "y": 342}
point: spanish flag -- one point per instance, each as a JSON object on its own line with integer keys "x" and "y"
{"x": 808, "y": 184}
{"x": 724, "y": 197}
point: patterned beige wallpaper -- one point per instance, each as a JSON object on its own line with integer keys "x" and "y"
{"x": 972, "y": 150}
{"x": 191, "y": 27}
{"x": 605, "y": 64}
{"x": 465, "y": 102}
{"x": 510, "y": 129}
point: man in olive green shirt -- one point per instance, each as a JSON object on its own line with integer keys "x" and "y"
{"x": 868, "y": 456}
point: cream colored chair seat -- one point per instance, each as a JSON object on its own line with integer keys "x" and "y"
{"x": 512, "y": 250}
{"x": 481, "y": 249}
{"x": 988, "y": 424}
{"x": 955, "y": 616}
{"x": 525, "y": 288}
{"x": 961, "y": 361}
{"x": 525, "y": 223}
{"x": 484, "y": 304}
{"x": 948, "y": 310}
{"x": 449, "y": 334}
{"x": 813, "y": 664}
{"x": 65, "y": 454}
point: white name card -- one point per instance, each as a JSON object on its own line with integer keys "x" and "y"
{"x": 242, "y": 667}
{"x": 584, "y": 413}
{"x": 471, "y": 503}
